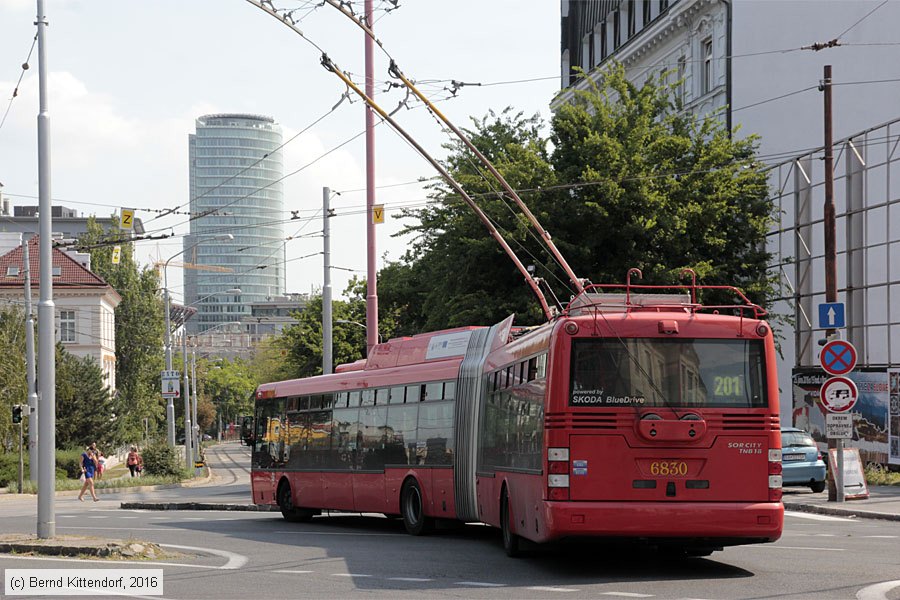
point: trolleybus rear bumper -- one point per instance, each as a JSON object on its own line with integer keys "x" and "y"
{"x": 729, "y": 522}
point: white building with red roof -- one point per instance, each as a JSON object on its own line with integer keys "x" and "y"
{"x": 85, "y": 303}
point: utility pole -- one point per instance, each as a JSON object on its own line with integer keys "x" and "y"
{"x": 46, "y": 525}
{"x": 196, "y": 430}
{"x": 371, "y": 277}
{"x": 188, "y": 433}
{"x": 170, "y": 406}
{"x": 30, "y": 370}
{"x": 835, "y": 492}
{"x": 327, "y": 359}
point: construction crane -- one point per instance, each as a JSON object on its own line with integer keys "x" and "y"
{"x": 184, "y": 265}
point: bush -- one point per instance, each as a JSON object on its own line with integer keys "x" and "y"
{"x": 160, "y": 459}
{"x": 69, "y": 461}
{"x": 68, "y": 464}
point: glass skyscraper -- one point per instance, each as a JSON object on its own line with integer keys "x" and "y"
{"x": 235, "y": 188}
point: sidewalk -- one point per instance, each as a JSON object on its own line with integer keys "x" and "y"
{"x": 883, "y": 503}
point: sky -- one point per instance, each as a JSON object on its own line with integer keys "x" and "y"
{"x": 128, "y": 79}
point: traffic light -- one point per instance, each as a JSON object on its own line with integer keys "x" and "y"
{"x": 17, "y": 414}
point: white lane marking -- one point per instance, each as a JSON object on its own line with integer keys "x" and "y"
{"x": 878, "y": 591}
{"x": 66, "y": 516}
{"x": 129, "y": 529}
{"x": 129, "y": 517}
{"x": 479, "y": 584}
{"x": 410, "y": 579}
{"x": 235, "y": 560}
{"x": 799, "y": 548}
{"x": 193, "y": 519}
{"x": 96, "y": 517}
{"x": 626, "y": 594}
{"x": 550, "y": 588}
{"x": 297, "y": 531}
{"x": 291, "y": 571}
{"x": 142, "y": 563}
{"x": 225, "y": 519}
{"x": 815, "y": 517}
{"x": 349, "y": 575}
{"x": 881, "y": 537}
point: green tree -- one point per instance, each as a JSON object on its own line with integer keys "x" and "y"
{"x": 13, "y": 389}
{"x": 302, "y": 342}
{"x": 140, "y": 328}
{"x": 631, "y": 181}
{"x": 86, "y": 411}
{"x": 229, "y": 384}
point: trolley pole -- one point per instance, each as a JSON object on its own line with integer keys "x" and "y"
{"x": 188, "y": 432}
{"x": 835, "y": 492}
{"x": 327, "y": 358}
{"x": 46, "y": 525}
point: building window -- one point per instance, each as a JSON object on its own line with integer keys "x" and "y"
{"x": 707, "y": 46}
{"x": 617, "y": 30}
{"x": 12, "y": 271}
{"x": 603, "y": 46}
{"x": 67, "y": 325}
{"x": 682, "y": 74}
{"x": 630, "y": 7}
{"x": 646, "y": 10}
{"x": 663, "y": 5}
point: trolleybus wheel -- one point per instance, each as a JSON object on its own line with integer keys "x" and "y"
{"x": 286, "y": 504}
{"x": 511, "y": 542}
{"x": 412, "y": 508}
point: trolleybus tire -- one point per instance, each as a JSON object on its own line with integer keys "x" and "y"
{"x": 412, "y": 508}
{"x": 291, "y": 513}
{"x": 512, "y": 544}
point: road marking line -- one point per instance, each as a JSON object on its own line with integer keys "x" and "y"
{"x": 143, "y": 563}
{"x": 129, "y": 529}
{"x": 96, "y": 517}
{"x": 411, "y": 579}
{"x": 550, "y": 588}
{"x": 626, "y": 594}
{"x": 235, "y": 560}
{"x": 479, "y": 584}
{"x": 291, "y": 571}
{"x": 128, "y": 517}
{"x": 800, "y": 548}
{"x": 877, "y": 591}
{"x": 815, "y": 517}
{"x": 886, "y": 537}
{"x": 349, "y": 575}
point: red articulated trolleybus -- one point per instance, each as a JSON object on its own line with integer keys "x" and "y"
{"x": 636, "y": 413}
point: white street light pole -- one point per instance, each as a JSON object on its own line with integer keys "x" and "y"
{"x": 46, "y": 525}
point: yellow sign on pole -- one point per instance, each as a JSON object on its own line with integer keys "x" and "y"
{"x": 117, "y": 254}
{"x": 127, "y": 218}
{"x": 378, "y": 213}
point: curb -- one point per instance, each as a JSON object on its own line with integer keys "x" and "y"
{"x": 99, "y": 551}
{"x": 199, "y": 506}
{"x": 842, "y": 512}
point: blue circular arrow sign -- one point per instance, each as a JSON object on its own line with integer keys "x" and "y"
{"x": 838, "y": 357}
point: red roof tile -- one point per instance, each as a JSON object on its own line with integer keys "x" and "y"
{"x": 72, "y": 274}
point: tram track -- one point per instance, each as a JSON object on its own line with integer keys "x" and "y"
{"x": 224, "y": 456}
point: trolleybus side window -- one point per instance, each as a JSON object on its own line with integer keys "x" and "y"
{"x": 449, "y": 390}
{"x": 353, "y": 399}
{"x": 368, "y": 397}
{"x": 397, "y": 394}
{"x": 413, "y": 393}
{"x": 344, "y": 437}
{"x": 372, "y": 422}
{"x": 433, "y": 391}
{"x": 340, "y": 400}
{"x": 400, "y": 434}
{"x": 381, "y": 396}
{"x": 434, "y": 444}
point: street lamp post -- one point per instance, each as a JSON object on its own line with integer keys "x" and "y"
{"x": 170, "y": 407}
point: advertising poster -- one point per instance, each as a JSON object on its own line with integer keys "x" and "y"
{"x": 870, "y": 415}
{"x": 894, "y": 429}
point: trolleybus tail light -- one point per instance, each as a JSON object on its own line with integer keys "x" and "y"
{"x": 558, "y": 454}
{"x": 558, "y": 477}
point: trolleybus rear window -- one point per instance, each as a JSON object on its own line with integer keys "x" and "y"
{"x": 702, "y": 373}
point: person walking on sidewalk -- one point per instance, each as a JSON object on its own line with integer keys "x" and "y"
{"x": 135, "y": 462}
{"x": 88, "y": 469}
